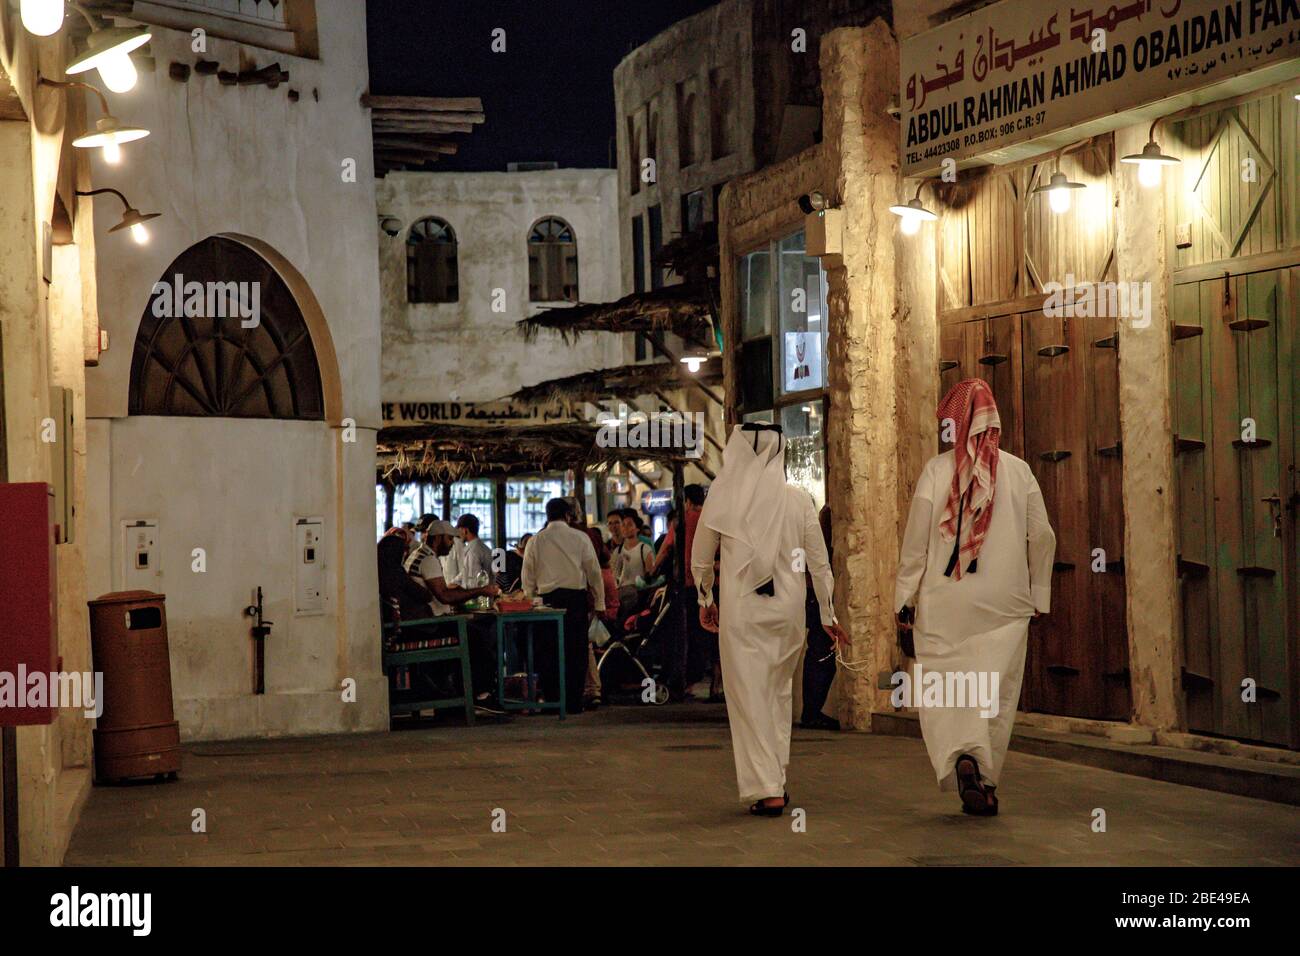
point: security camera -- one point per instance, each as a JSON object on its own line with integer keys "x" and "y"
{"x": 391, "y": 225}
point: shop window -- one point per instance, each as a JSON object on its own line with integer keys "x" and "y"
{"x": 755, "y": 284}
{"x": 479, "y": 499}
{"x": 801, "y": 305}
{"x": 552, "y": 262}
{"x": 526, "y": 504}
{"x": 805, "y": 449}
{"x": 432, "y": 272}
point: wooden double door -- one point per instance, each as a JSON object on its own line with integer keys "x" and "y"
{"x": 1056, "y": 381}
{"x": 1235, "y": 392}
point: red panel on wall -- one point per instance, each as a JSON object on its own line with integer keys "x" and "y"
{"x": 29, "y": 641}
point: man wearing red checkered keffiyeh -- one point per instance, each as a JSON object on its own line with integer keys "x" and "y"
{"x": 973, "y": 414}
{"x": 974, "y": 568}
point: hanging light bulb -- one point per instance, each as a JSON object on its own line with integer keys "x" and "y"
{"x": 140, "y": 234}
{"x": 42, "y": 17}
{"x": 1059, "y": 191}
{"x": 912, "y": 215}
{"x": 1150, "y": 160}
{"x": 108, "y": 50}
{"x": 109, "y": 135}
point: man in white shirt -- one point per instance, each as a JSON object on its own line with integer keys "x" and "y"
{"x": 560, "y": 565}
{"x": 439, "y": 538}
{"x": 475, "y": 556}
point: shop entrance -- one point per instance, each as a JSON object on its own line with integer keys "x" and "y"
{"x": 1235, "y": 391}
{"x": 1056, "y": 381}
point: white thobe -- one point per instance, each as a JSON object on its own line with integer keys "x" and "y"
{"x": 979, "y": 624}
{"x": 760, "y": 638}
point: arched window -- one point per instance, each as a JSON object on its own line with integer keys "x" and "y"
{"x": 552, "y": 262}
{"x": 223, "y": 336}
{"x": 432, "y": 274}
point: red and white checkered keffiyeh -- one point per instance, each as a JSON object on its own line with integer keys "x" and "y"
{"x": 974, "y": 413}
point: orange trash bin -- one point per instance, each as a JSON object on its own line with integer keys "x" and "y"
{"x": 137, "y": 734}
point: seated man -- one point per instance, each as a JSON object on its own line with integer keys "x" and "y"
{"x": 438, "y": 539}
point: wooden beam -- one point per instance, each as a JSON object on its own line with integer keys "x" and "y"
{"x": 435, "y": 103}
{"x": 427, "y": 116}
{"x": 408, "y": 126}
{"x": 414, "y": 143}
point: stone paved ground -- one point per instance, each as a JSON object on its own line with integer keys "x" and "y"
{"x": 642, "y": 786}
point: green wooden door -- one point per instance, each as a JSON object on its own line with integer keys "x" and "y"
{"x": 1235, "y": 391}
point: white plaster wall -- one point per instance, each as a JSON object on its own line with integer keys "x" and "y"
{"x": 246, "y": 160}
{"x": 465, "y": 351}
{"x": 239, "y": 506}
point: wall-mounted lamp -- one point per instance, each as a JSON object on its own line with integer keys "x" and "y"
{"x": 1059, "y": 189}
{"x": 108, "y": 49}
{"x": 1150, "y": 160}
{"x": 42, "y": 17}
{"x": 109, "y": 133}
{"x": 132, "y": 218}
{"x": 913, "y": 214}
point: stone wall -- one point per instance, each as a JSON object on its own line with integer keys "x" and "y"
{"x": 467, "y": 350}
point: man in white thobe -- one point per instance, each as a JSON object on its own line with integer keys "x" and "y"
{"x": 769, "y": 536}
{"x": 974, "y": 621}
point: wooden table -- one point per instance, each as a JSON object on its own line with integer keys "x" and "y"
{"x": 529, "y": 619}
{"x": 459, "y": 651}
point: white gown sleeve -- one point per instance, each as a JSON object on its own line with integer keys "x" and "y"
{"x": 818, "y": 563}
{"x": 703, "y": 550}
{"x": 1042, "y": 548}
{"x": 916, "y": 545}
{"x": 528, "y": 575}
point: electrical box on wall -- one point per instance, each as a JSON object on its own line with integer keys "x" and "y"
{"x": 29, "y": 635}
{"x": 309, "y": 566}
{"x": 824, "y": 232}
{"x": 58, "y": 432}
{"x": 141, "y": 563}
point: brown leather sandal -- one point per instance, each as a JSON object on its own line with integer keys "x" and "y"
{"x": 975, "y": 799}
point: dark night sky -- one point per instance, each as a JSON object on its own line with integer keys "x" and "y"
{"x": 550, "y": 96}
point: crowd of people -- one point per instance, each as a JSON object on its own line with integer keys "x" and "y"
{"x": 601, "y": 576}
{"x": 750, "y": 592}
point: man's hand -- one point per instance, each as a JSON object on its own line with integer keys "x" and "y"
{"x": 490, "y": 590}
{"x": 838, "y": 635}
{"x": 709, "y": 618}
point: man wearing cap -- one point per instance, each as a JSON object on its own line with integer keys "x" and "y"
{"x": 560, "y": 565}
{"x": 439, "y": 537}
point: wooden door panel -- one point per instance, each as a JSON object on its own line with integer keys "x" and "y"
{"x": 1194, "y": 474}
{"x": 1057, "y": 448}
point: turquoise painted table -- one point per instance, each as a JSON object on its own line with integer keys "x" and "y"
{"x": 528, "y": 620}
{"x": 459, "y": 651}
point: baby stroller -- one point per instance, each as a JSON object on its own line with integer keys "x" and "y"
{"x": 638, "y": 653}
